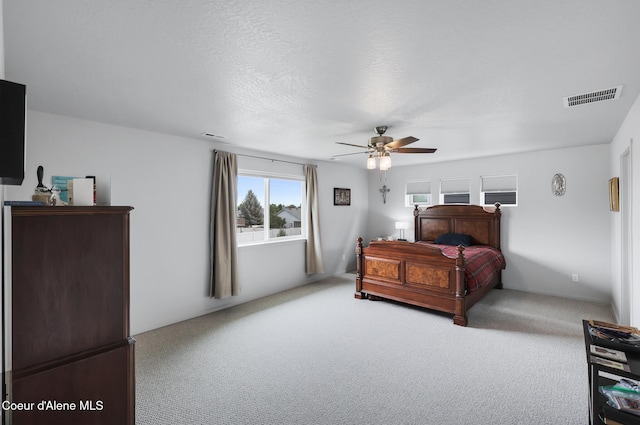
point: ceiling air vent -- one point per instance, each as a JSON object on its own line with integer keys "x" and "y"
{"x": 592, "y": 97}
{"x": 213, "y": 136}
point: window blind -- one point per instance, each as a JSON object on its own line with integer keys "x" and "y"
{"x": 454, "y": 185}
{"x": 499, "y": 183}
{"x": 418, "y": 188}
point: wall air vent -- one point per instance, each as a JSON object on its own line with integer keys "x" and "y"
{"x": 592, "y": 97}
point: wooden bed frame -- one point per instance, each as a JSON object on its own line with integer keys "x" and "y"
{"x": 421, "y": 275}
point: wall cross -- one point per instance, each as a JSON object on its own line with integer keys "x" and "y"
{"x": 384, "y": 189}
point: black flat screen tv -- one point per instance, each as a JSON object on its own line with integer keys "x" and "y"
{"x": 13, "y": 113}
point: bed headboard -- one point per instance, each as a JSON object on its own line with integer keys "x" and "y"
{"x": 482, "y": 223}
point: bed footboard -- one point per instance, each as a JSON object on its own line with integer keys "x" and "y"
{"x": 412, "y": 273}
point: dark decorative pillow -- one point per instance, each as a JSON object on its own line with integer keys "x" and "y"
{"x": 454, "y": 239}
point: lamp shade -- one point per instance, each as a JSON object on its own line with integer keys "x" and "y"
{"x": 402, "y": 225}
{"x": 385, "y": 162}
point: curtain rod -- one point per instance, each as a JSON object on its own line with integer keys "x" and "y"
{"x": 266, "y": 159}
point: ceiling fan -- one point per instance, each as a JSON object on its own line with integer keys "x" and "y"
{"x": 381, "y": 146}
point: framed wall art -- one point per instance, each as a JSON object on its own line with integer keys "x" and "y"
{"x": 614, "y": 201}
{"x": 558, "y": 184}
{"x": 341, "y": 196}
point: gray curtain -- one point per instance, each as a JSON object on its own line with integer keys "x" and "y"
{"x": 224, "y": 252}
{"x": 314, "y": 262}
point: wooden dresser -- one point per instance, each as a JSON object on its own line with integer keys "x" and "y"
{"x": 70, "y": 349}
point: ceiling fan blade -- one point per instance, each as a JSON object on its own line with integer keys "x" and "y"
{"x": 414, "y": 150}
{"x": 352, "y": 153}
{"x": 402, "y": 142}
{"x": 357, "y": 146}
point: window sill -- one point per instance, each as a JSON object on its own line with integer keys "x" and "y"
{"x": 273, "y": 242}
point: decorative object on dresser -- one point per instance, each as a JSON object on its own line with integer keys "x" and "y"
{"x": 42, "y": 193}
{"x": 67, "y": 340}
{"x": 81, "y": 192}
{"x": 442, "y": 277}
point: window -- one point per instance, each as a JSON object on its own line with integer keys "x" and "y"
{"x": 283, "y": 218}
{"x": 417, "y": 193}
{"x": 503, "y": 189}
{"x": 454, "y": 191}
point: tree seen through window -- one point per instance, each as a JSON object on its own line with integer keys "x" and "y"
{"x": 284, "y": 197}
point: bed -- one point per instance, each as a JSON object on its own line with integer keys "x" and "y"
{"x": 442, "y": 276}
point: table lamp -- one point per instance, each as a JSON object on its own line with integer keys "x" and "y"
{"x": 402, "y": 225}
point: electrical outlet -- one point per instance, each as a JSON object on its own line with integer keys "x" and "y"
{"x": 344, "y": 257}
{"x": 575, "y": 278}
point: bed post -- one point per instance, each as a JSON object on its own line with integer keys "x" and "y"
{"x": 359, "y": 295}
{"x": 497, "y": 213}
{"x": 416, "y": 224}
{"x": 460, "y": 317}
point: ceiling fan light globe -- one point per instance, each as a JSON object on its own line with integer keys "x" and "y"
{"x": 385, "y": 162}
{"x": 371, "y": 163}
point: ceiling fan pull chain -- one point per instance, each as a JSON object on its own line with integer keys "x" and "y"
{"x": 382, "y": 176}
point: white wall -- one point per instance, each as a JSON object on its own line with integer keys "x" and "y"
{"x": 167, "y": 180}
{"x": 546, "y": 238}
{"x": 629, "y": 131}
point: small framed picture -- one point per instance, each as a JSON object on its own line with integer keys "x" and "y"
{"x": 341, "y": 196}
{"x": 614, "y": 204}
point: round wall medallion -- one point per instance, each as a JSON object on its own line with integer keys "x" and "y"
{"x": 558, "y": 185}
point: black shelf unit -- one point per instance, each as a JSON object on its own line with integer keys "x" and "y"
{"x": 599, "y": 375}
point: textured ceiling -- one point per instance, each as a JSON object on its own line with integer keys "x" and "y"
{"x": 471, "y": 78}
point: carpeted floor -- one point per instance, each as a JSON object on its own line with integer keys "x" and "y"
{"x": 317, "y": 355}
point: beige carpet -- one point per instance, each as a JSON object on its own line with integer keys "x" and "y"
{"x": 316, "y": 355}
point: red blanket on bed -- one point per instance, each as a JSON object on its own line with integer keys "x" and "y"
{"x": 482, "y": 263}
